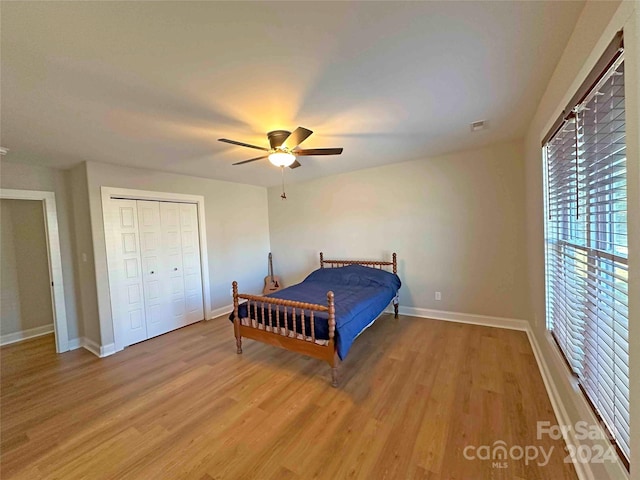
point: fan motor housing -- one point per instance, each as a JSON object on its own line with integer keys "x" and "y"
{"x": 277, "y": 137}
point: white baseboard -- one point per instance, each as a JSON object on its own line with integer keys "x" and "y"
{"x": 216, "y": 312}
{"x": 108, "y": 349}
{"x": 93, "y": 347}
{"x": 26, "y": 334}
{"x": 484, "y": 320}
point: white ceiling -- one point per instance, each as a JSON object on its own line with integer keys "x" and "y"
{"x": 155, "y": 84}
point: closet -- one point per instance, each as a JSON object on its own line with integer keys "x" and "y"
{"x": 154, "y": 270}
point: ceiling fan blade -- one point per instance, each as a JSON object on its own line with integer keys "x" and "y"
{"x": 233, "y": 142}
{"x": 298, "y": 136}
{"x": 295, "y": 164}
{"x": 251, "y": 160}
{"x": 318, "y": 151}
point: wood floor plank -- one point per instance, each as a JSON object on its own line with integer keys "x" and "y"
{"x": 413, "y": 394}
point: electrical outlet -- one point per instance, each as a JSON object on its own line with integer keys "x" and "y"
{"x": 438, "y": 296}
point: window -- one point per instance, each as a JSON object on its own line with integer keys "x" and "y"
{"x": 586, "y": 243}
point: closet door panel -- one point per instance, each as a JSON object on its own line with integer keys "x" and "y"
{"x": 154, "y": 271}
{"x": 172, "y": 248}
{"x": 125, "y": 272}
{"x": 191, "y": 262}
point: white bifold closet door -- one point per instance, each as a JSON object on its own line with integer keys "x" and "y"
{"x": 191, "y": 262}
{"x": 125, "y": 272}
{"x": 169, "y": 259}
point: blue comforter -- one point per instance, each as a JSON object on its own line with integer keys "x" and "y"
{"x": 361, "y": 294}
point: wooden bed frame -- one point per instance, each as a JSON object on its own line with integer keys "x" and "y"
{"x": 271, "y": 331}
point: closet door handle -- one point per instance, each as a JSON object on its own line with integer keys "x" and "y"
{"x": 152, "y": 272}
{"x": 175, "y": 269}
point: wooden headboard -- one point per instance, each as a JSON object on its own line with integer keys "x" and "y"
{"x": 366, "y": 263}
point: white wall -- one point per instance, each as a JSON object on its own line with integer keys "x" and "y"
{"x": 83, "y": 248}
{"x": 22, "y": 176}
{"x": 237, "y": 231}
{"x": 596, "y": 27}
{"x": 456, "y": 222}
{"x": 25, "y": 221}
{"x": 9, "y": 289}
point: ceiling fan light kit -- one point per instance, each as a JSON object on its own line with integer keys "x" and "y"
{"x": 282, "y": 158}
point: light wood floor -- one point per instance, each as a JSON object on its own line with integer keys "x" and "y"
{"x": 413, "y": 394}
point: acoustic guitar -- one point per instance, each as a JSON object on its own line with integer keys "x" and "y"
{"x": 271, "y": 282}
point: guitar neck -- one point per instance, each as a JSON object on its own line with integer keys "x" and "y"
{"x": 271, "y": 267}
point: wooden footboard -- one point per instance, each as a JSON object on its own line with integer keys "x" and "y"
{"x": 277, "y": 315}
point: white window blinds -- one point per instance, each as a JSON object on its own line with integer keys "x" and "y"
{"x": 586, "y": 248}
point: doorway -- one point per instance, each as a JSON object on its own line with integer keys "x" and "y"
{"x": 32, "y": 287}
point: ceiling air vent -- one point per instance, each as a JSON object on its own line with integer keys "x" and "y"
{"x": 479, "y": 125}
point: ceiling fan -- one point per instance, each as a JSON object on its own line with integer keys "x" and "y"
{"x": 284, "y": 148}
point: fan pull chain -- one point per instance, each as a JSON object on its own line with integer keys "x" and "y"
{"x": 284, "y": 195}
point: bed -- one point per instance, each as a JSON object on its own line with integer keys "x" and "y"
{"x": 323, "y": 315}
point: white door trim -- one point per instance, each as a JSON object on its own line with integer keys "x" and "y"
{"x": 48, "y": 200}
{"x": 127, "y": 193}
